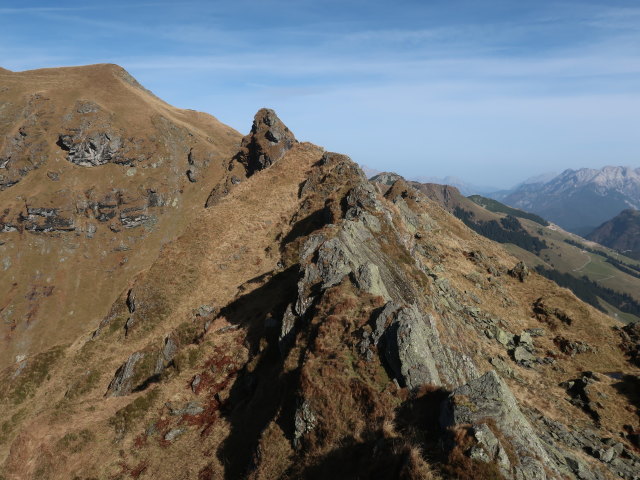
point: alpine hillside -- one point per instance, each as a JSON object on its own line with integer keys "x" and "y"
{"x": 278, "y": 315}
{"x": 621, "y": 233}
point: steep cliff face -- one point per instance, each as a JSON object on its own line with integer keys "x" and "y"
{"x": 311, "y": 324}
{"x": 95, "y": 175}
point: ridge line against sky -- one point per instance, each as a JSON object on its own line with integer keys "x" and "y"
{"x": 492, "y": 92}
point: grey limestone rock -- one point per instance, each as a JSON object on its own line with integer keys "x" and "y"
{"x": 173, "y": 434}
{"x": 287, "y": 332}
{"x": 91, "y": 150}
{"x": 417, "y": 356}
{"x": 489, "y": 397}
{"x": 122, "y": 383}
{"x": 304, "y": 422}
{"x": 489, "y": 444}
{"x": 189, "y": 408}
{"x": 523, "y": 356}
{"x": 367, "y": 278}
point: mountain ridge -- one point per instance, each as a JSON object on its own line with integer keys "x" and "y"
{"x": 306, "y": 323}
{"x": 604, "y": 192}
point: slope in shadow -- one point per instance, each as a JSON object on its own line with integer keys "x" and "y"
{"x": 263, "y": 392}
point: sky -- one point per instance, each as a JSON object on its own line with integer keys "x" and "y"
{"x": 492, "y": 92}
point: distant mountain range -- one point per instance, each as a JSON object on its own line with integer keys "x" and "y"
{"x": 597, "y": 275}
{"x": 578, "y": 200}
{"x": 464, "y": 187}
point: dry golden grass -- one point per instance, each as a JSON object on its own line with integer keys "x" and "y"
{"x": 240, "y": 256}
{"x": 84, "y": 276}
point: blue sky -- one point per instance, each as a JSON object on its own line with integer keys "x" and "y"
{"x": 489, "y": 91}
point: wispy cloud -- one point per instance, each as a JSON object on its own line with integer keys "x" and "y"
{"x": 520, "y": 80}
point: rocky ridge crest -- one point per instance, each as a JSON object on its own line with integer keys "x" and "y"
{"x": 334, "y": 328}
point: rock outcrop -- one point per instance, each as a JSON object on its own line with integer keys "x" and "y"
{"x": 268, "y": 141}
{"x": 489, "y": 399}
{"x": 93, "y": 150}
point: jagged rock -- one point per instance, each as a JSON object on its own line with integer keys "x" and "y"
{"x": 572, "y": 347}
{"x": 189, "y": 408}
{"x": 287, "y": 332}
{"x": 503, "y": 337}
{"x": 386, "y": 178}
{"x": 174, "y": 433}
{"x": 502, "y": 367}
{"x": 267, "y": 143}
{"x": 578, "y": 390}
{"x": 92, "y": 150}
{"x": 141, "y": 369}
{"x": 333, "y": 262}
{"x": 45, "y": 220}
{"x": 205, "y": 310}
{"x": 407, "y": 349}
{"x": 520, "y": 271}
{"x": 490, "y": 446}
{"x": 489, "y": 398}
{"x": 535, "y": 332}
{"x": 525, "y": 340}
{"x": 383, "y": 319}
{"x": 86, "y": 106}
{"x": 523, "y": 356}
{"x": 192, "y": 175}
{"x": 630, "y": 341}
{"x": 304, "y": 422}
{"x": 361, "y": 200}
{"x": 131, "y": 301}
{"x": 166, "y": 355}
{"x": 91, "y": 230}
{"x": 367, "y": 278}
{"x": 122, "y": 383}
{"x": 133, "y": 217}
{"x": 579, "y": 468}
{"x": 416, "y": 355}
{"x": 195, "y": 382}
{"x": 128, "y": 325}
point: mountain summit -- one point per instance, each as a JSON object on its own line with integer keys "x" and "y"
{"x": 308, "y": 323}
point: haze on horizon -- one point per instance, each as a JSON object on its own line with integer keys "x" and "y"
{"x": 491, "y": 92}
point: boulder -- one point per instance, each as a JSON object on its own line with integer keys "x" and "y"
{"x": 367, "y": 278}
{"x": 520, "y": 271}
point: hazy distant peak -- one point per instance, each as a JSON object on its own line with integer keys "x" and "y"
{"x": 608, "y": 177}
{"x": 542, "y": 178}
{"x": 368, "y": 171}
{"x": 579, "y": 200}
{"x": 386, "y": 178}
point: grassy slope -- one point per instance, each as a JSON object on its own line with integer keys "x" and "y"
{"x": 202, "y": 267}
{"x": 63, "y": 282}
{"x": 562, "y": 256}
